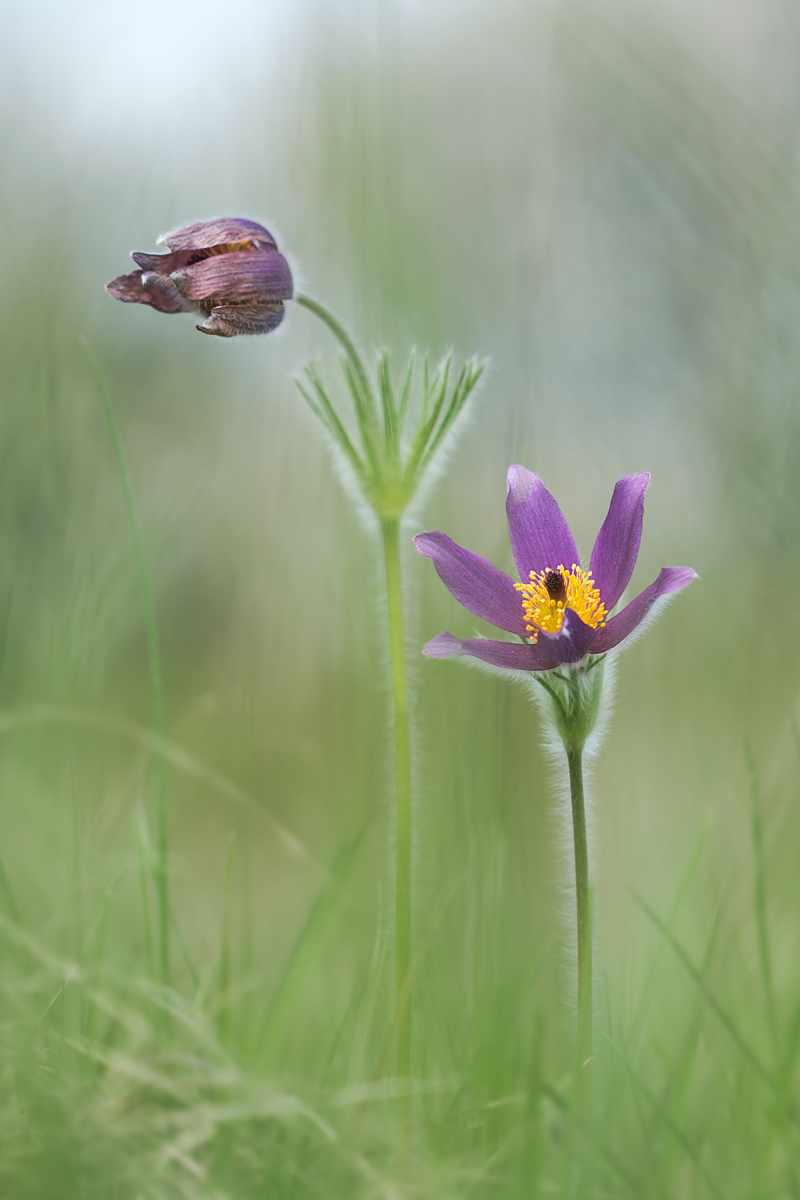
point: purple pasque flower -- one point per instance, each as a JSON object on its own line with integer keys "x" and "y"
{"x": 560, "y": 611}
{"x": 229, "y": 269}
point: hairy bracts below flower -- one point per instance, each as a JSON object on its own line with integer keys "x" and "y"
{"x": 228, "y": 269}
{"x": 560, "y": 611}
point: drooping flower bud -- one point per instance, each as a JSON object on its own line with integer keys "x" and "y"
{"x": 228, "y": 269}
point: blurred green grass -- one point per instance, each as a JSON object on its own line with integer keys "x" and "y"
{"x": 607, "y": 207}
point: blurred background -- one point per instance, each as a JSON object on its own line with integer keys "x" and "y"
{"x": 603, "y": 201}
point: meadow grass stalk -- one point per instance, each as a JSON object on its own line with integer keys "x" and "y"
{"x": 145, "y": 872}
{"x": 224, "y": 986}
{"x": 760, "y": 897}
{"x": 277, "y": 1017}
{"x": 78, "y": 872}
{"x": 161, "y": 866}
{"x": 8, "y": 894}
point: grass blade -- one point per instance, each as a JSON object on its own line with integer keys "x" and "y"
{"x": 727, "y": 1021}
{"x": 154, "y": 656}
{"x": 309, "y": 940}
{"x": 760, "y": 897}
{"x": 225, "y": 942}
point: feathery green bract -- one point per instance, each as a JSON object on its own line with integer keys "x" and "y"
{"x": 389, "y": 459}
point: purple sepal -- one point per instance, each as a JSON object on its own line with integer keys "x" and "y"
{"x": 228, "y": 269}
{"x": 161, "y": 263}
{"x": 552, "y": 650}
{"x": 671, "y": 579}
{"x": 147, "y": 287}
{"x": 540, "y": 535}
{"x": 512, "y": 656}
{"x": 238, "y": 276}
{"x": 217, "y": 232}
{"x": 572, "y": 642}
{"x": 617, "y": 543}
{"x": 476, "y": 583}
{"x": 229, "y": 320}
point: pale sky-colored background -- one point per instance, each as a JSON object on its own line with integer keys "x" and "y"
{"x": 102, "y": 68}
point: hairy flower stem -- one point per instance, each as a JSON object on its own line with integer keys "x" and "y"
{"x": 388, "y": 441}
{"x": 583, "y": 899}
{"x": 390, "y": 534}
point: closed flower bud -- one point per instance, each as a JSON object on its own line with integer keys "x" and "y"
{"x": 228, "y": 269}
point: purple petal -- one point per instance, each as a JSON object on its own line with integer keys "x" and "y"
{"x": 230, "y": 320}
{"x": 617, "y": 543}
{"x": 475, "y": 582}
{"x": 215, "y": 233}
{"x": 238, "y": 276}
{"x": 513, "y": 656}
{"x": 540, "y": 536}
{"x": 552, "y": 649}
{"x": 166, "y": 264}
{"x": 671, "y": 579}
{"x": 149, "y": 288}
{"x": 573, "y": 641}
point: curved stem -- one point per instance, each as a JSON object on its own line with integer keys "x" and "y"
{"x": 583, "y": 898}
{"x": 390, "y": 533}
{"x": 344, "y": 339}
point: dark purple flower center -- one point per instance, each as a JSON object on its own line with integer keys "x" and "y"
{"x": 555, "y": 586}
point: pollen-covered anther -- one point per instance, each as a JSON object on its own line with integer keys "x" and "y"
{"x": 555, "y": 587}
{"x": 551, "y": 591}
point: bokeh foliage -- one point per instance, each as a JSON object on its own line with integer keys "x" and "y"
{"x": 605, "y": 203}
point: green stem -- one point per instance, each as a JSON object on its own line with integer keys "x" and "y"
{"x": 154, "y": 656}
{"x": 344, "y": 339}
{"x": 583, "y": 898}
{"x": 390, "y": 532}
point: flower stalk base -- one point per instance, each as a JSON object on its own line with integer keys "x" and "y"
{"x": 390, "y": 534}
{"x": 584, "y": 918}
{"x": 575, "y": 701}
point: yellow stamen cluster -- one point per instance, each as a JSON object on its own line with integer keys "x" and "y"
{"x": 225, "y": 248}
{"x": 553, "y": 590}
